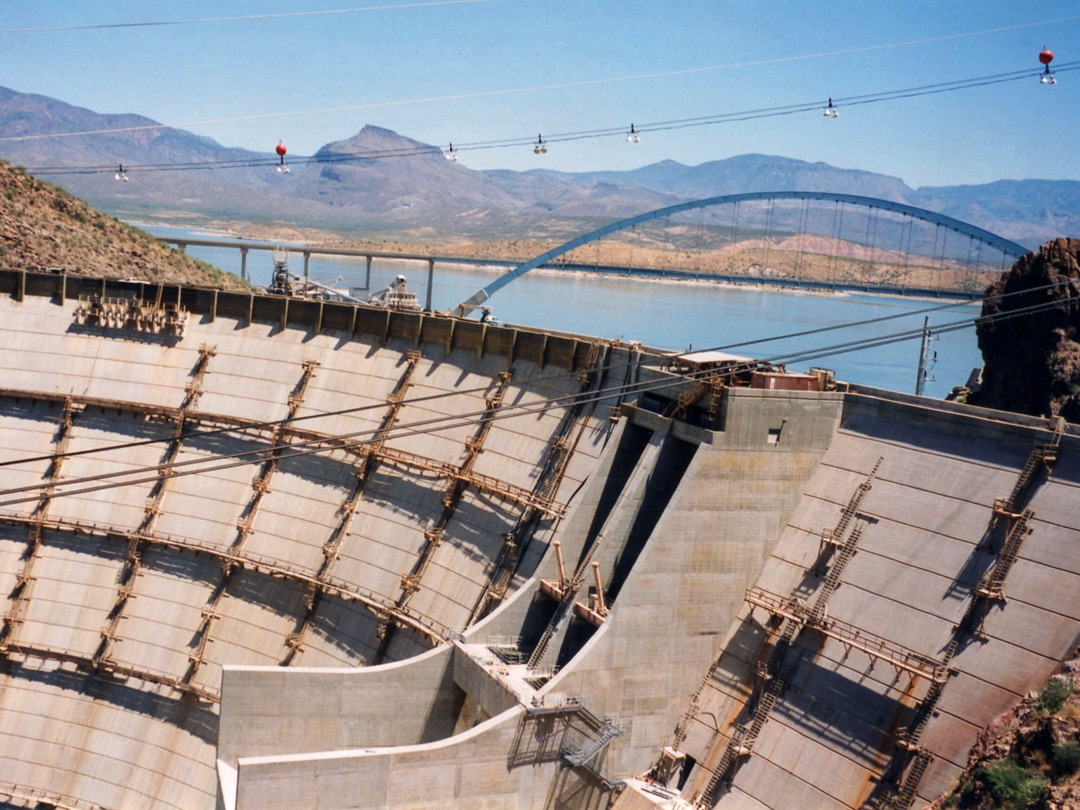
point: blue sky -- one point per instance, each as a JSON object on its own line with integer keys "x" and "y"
{"x": 208, "y": 71}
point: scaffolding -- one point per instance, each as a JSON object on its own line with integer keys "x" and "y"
{"x": 260, "y": 486}
{"x": 20, "y": 594}
{"x": 132, "y": 314}
{"x": 267, "y": 566}
{"x": 459, "y": 477}
{"x": 580, "y": 748}
{"x": 152, "y": 510}
{"x": 851, "y": 637}
{"x": 115, "y": 670}
{"x": 911, "y": 757}
{"x": 295, "y": 641}
{"x": 547, "y": 486}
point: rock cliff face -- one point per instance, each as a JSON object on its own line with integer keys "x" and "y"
{"x": 41, "y": 225}
{"x": 1032, "y": 362}
{"x": 1029, "y": 757}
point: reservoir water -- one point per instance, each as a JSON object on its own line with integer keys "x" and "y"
{"x": 671, "y": 314}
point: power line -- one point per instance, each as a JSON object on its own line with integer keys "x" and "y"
{"x": 243, "y": 18}
{"x": 457, "y": 420}
{"x": 546, "y": 87}
{"x": 559, "y": 137}
{"x": 446, "y": 422}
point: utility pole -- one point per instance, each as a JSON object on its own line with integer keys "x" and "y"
{"x": 926, "y": 362}
{"x": 430, "y": 283}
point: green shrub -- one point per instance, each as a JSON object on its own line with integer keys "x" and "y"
{"x": 1066, "y": 759}
{"x": 962, "y": 796}
{"x": 1053, "y": 696}
{"x": 1013, "y": 787}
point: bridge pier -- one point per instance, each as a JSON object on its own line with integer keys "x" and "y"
{"x": 367, "y": 274}
{"x": 307, "y": 258}
{"x": 243, "y": 264}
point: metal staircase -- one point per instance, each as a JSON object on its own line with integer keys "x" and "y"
{"x": 580, "y": 754}
{"x": 582, "y": 751}
{"x": 832, "y": 579}
{"x": 990, "y": 586}
{"x": 906, "y": 794}
{"x": 834, "y": 537}
{"x": 741, "y": 742}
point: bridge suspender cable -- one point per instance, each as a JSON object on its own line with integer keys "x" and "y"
{"x": 1006, "y": 246}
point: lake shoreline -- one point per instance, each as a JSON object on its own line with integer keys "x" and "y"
{"x": 650, "y": 276}
{"x": 778, "y": 322}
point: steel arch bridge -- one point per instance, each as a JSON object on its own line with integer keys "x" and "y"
{"x": 1005, "y": 246}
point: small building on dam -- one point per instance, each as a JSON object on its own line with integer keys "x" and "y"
{"x": 266, "y": 552}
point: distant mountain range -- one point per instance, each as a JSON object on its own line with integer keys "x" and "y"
{"x": 423, "y": 194}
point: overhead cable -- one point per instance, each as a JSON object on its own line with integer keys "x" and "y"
{"x": 544, "y": 383}
{"x": 243, "y": 18}
{"x": 281, "y": 452}
{"x": 543, "y": 87}
{"x": 349, "y": 156}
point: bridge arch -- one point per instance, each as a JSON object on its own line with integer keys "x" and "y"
{"x": 1006, "y": 246}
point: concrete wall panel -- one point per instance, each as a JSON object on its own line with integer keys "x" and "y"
{"x": 27, "y": 429}
{"x": 91, "y": 746}
{"x": 73, "y": 592}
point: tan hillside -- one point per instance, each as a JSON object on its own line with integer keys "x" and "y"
{"x": 41, "y": 225}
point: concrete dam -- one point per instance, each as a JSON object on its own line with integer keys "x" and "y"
{"x": 267, "y": 552}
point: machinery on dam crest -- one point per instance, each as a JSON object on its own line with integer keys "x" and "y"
{"x": 267, "y": 551}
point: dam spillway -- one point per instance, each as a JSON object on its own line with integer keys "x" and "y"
{"x": 810, "y": 598}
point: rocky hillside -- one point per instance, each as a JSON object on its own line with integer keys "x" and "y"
{"x": 1032, "y": 363}
{"x": 44, "y": 226}
{"x": 1029, "y": 758}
